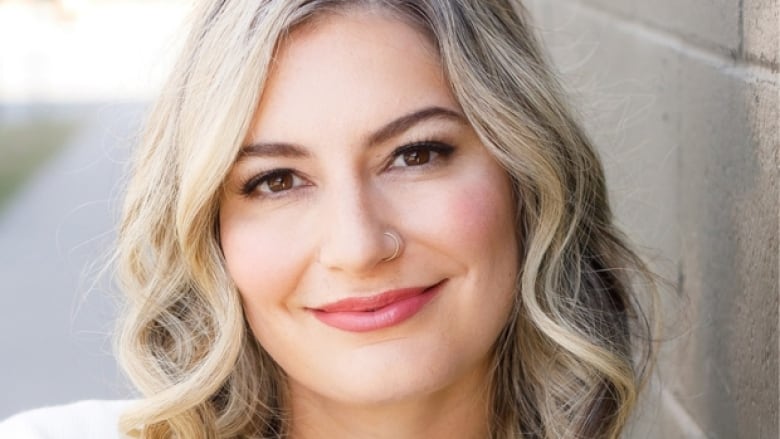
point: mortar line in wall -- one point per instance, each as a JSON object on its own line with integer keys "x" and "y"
{"x": 746, "y": 70}
{"x": 741, "y": 32}
{"x": 684, "y": 420}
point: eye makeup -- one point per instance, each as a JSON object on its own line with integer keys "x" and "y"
{"x": 421, "y": 153}
{"x": 277, "y": 180}
{"x": 417, "y": 155}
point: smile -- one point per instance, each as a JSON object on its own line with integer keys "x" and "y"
{"x": 363, "y": 314}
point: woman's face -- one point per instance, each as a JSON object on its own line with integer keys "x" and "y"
{"x": 358, "y": 134}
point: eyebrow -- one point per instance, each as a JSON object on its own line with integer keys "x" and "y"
{"x": 404, "y": 123}
{"x": 272, "y": 149}
{"x": 383, "y": 134}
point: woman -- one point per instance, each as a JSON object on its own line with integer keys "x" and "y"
{"x": 373, "y": 219}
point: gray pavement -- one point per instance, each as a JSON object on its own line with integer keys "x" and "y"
{"x": 55, "y": 319}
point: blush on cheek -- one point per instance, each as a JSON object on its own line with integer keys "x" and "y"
{"x": 482, "y": 214}
{"x": 255, "y": 260}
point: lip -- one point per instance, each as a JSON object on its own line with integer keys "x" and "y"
{"x": 371, "y": 313}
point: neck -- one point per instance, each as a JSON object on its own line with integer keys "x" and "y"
{"x": 457, "y": 413}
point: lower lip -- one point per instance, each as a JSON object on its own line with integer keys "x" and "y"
{"x": 390, "y": 315}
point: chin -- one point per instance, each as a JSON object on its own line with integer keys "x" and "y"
{"x": 396, "y": 376}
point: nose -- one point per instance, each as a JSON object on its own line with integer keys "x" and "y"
{"x": 354, "y": 235}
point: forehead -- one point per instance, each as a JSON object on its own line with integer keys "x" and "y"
{"x": 356, "y": 67}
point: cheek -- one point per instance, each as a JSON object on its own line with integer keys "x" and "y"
{"x": 247, "y": 253}
{"x": 478, "y": 231}
{"x": 265, "y": 268}
{"x": 479, "y": 214}
{"x": 261, "y": 263}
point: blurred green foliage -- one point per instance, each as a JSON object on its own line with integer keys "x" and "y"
{"x": 25, "y": 146}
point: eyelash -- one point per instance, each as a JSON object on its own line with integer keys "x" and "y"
{"x": 249, "y": 187}
{"x": 441, "y": 149}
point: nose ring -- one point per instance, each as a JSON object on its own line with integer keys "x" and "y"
{"x": 397, "y": 251}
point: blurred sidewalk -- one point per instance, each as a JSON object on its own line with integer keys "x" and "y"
{"x": 55, "y": 321}
{"x": 88, "y": 51}
{"x": 65, "y": 60}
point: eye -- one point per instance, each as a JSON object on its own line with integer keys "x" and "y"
{"x": 420, "y": 153}
{"x": 272, "y": 182}
{"x": 416, "y": 158}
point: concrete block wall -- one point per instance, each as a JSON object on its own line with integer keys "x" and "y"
{"x": 683, "y": 98}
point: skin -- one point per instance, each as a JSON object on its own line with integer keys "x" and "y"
{"x": 313, "y": 234}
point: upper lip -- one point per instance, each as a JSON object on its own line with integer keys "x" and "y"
{"x": 371, "y": 303}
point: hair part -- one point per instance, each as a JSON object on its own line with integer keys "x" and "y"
{"x": 570, "y": 360}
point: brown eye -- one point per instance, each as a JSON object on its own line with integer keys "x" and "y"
{"x": 273, "y": 183}
{"x": 422, "y": 154}
{"x": 417, "y": 157}
{"x": 280, "y": 182}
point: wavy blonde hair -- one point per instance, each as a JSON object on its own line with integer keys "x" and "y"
{"x": 570, "y": 360}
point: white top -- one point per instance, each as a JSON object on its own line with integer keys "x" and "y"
{"x": 80, "y": 420}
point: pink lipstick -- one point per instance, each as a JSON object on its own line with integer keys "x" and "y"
{"x": 363, "y": 314}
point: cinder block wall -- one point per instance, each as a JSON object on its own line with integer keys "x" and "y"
{"x": 683, "y": 98}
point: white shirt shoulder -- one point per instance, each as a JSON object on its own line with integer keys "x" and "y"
{"x": 84, "y": 420}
